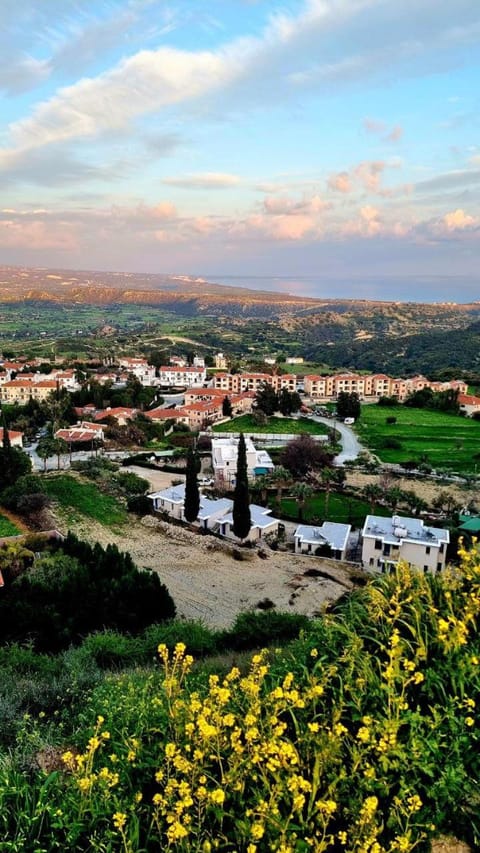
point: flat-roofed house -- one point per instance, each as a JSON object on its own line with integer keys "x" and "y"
{"x": 170, "y": 500}
{"x": 386, "y": 541}
{"x": 263, "y": 524}
{"x": 224, "y": 460}
{"x": 310, "y": 539}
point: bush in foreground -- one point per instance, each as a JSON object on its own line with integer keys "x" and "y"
{"x": 362, "y": 737}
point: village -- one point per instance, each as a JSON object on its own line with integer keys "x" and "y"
{"x": 186, "y": 404}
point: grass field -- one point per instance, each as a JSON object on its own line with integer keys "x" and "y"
{"x": 444, "y": 441}
{"x": 79, "y": 498}
{"x": 7, "y": 527}
{"x": 245, "y": 423}
{"x": 342, "y": 509}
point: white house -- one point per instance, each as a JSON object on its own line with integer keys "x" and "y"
{"x": 170, "y": 500}
{"x": 308, "y": 539}
{"x": 386, "y": 541}
{"x": 224, "y": 460}
{"x": 263, "y": 524}
{"x": 212, "y": 511}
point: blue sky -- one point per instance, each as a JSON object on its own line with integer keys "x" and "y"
{"x": 329, "y": 138}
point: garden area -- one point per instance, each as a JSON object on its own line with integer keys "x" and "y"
{"x": 321, "y": 506}
{"x": 443, "y": 441}
{"x": 285, "y": 426}
{"x": 79, "y": 498}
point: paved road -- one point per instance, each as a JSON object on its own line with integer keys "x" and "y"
{"x": 351, "y": 446}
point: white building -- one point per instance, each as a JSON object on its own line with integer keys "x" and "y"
{"x": 224, "y": 460}
{"x": 198, "y": 361}
{"x": 308, "y": 539}
{"x": 221, "y": 362}
{"x": 182, "y": 377}
{"x": 141, "y": 369}
{"x": 386, "y": 541}
{"x": 263, "y": 524}
{"x": 170, "y": 500}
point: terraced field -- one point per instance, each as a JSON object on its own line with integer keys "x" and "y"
{"x": 443, "y": 441}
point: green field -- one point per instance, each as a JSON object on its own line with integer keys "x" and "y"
{"x": 443, "y": 441}
{"x": 7, "y": 527}
{"x": 246, "y": 423}
{"x": 79, "y": 498}
{"x": 342, "y": 509}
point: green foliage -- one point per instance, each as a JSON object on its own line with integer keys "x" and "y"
{"x": 362, "y": 734}
{"x": 447, "y": 440}
{"x": 14, "y": 463}
{"x": 77, "y": 497}
{"x": 226, "y": 408}
{"x": 131, "y": 483}
{"x": 292, "y": 426}
{"x": 241, "y": 499}
{"x": 256, "y": 630}
{"x": 78, "y": 589}
{"x": 348, "y": 405}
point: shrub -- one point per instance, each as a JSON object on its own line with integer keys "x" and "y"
{"x": 392, "y": 443}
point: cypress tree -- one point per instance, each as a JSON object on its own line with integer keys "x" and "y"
{"x": 242, "y": 521}
{"x": 6, "y": 438}
{"x": 192, "y": 495}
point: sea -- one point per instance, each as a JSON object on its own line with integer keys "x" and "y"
{"x": 438, "y": 289}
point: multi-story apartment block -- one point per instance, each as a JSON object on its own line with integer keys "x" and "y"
{"x": 386, "y": 541}
{"x": 182, "y": 377}
{"x": 238, "y": 383}
{"x": 21, "y": 390}
{"x": 372, "y": 386}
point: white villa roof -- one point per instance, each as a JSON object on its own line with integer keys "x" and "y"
{"x": 334, "y": 534}
{"x": 210, "y": 507}
{"x": 400, "y": 529}
{"x": 174, "y": 494}
{"x": 260, "y": 516}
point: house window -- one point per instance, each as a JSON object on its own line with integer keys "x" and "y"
{"x": 425, "y": 568}
{"x": 439, "y": 567}
{"x": 371, "y": 561}
{"x": 378, "y": 544}
{"x": 386, "y": 550}
{"x": 427, "y": 549}
{"x": 441, "y": 548}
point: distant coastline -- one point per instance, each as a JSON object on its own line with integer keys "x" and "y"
{"x": 451, "y": 289}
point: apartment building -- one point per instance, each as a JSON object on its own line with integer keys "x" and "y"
{"x": 386, "y": 541}
{"x": 372, "y": 386}
{"x": 239, "y": 383}
{"x": 21, "y": 391}
{"x": 182, "y": 377}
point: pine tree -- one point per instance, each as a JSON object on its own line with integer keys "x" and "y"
{"x": 226, "y": 407}
{"x": 192, "y": 495}
{"x": 242, "y": 521}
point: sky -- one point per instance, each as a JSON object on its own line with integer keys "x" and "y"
{"x": 335, "y": 140}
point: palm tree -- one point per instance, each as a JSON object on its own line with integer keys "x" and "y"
{"x": 261, "y": 485}
{"x": 301, "y": 493}
{"x": 372, "y": 492}
{"x": 282, "y": 478}
{"x": 327, "y": 477}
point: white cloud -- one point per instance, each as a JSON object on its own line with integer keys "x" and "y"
{"x": 458, "y": 220}
{"x": 293, "y": 52}
{"x": 204, "y": 181}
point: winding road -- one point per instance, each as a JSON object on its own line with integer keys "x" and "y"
{"x": 351, "y": 446}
